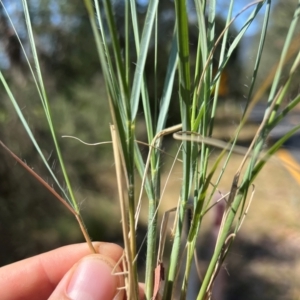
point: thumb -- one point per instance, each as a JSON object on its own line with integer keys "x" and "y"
{"x": 92, "y": 278}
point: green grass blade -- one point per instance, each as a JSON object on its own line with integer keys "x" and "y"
{"x": 135, "y": 25}
{"x": 198, "y": 104}
{"x": 146, "y": 35}
{"x": 185, "y": 101}
{"x": 46, "y": 105}
{"x": 168, "y": 87}
{"x": 30, "y": 134}
{"x": 222, "y": 55}
{"x": 117, "y": 103}
{"x": 116, "y": 50}
{"x": 259, "y": 53}
{"x": 272, "y": 151}
{"x": 285, "y": 111}
{"x": 239, "y": 36}
{"x": 127, "y": 42}
{"x": 284, "y": 52}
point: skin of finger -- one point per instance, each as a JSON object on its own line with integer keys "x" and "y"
{"x": 35, "y": 278}
{"x": 141, "y": 291}
{"x": 60, "y": 291}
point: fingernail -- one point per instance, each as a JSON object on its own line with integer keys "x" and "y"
{"x": 92, "y": 280}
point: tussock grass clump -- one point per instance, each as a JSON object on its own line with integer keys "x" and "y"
{"x": 195, "y": 85}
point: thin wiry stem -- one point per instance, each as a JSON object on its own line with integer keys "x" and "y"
{"x": 55, "y": 194}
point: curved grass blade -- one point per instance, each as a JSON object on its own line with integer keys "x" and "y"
{"x": 46, "y": 104}
{"x": 30, "y": 134}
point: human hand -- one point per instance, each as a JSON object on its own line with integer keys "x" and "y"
{"x": 70, "y": 272}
